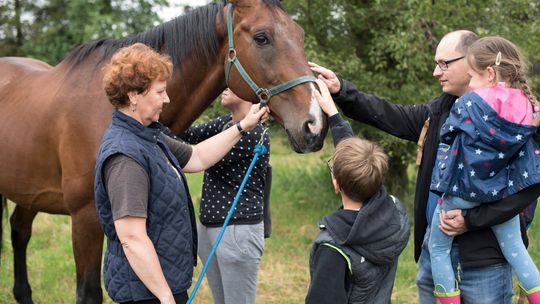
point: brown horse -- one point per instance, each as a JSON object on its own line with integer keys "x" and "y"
{"x": 53, "y": 118}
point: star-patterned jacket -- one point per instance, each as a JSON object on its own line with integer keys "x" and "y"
{"x": 483, "y": 157}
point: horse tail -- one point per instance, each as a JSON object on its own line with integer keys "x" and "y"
{"x": 3, "y": 206}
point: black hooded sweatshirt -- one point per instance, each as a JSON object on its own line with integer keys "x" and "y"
{"x": 371, "y": 239}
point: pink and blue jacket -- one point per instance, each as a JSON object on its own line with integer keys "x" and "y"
{"x": 487, "y": 151}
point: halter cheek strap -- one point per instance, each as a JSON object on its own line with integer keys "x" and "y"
{"x": 264, "y": 94}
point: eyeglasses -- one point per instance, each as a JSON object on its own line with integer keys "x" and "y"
{"x": 443, "y": 64}
{"x": 330, "y": 165}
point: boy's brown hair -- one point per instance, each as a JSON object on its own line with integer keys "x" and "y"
{"x": 359, "y": 166}
{"x": 133, "y": 69}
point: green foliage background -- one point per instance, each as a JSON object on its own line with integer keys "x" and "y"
{"x": 48, "y": 30}
{"x": 387, "y": 48}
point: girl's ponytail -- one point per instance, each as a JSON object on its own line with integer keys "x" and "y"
{"x": 522, "y": 83}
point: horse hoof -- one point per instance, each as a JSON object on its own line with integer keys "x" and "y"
{"x": 25, "y": 300}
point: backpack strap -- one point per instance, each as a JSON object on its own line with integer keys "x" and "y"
{"x": 421, "y": 141}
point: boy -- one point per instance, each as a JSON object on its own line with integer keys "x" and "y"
{"x": 354, "y": 258}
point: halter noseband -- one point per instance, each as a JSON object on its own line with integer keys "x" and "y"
{"x": 264, "y": 94}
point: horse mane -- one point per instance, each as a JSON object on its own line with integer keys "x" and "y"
{"x": 192, "y": 33}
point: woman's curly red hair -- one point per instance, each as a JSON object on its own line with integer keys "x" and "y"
{"x": 133, "y": 69}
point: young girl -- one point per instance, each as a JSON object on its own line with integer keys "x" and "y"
{"x": 487, "y": 153}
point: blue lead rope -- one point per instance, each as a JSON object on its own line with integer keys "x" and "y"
{"x": 259, "y": 150}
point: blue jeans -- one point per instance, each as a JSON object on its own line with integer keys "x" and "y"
{"x": 479, "y": 285}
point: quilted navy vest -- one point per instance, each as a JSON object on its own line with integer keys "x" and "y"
{"x": 170, "y": 219}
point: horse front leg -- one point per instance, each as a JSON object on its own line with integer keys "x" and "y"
{"x": 21, "y": 230}
{"x": 87, "y": 247}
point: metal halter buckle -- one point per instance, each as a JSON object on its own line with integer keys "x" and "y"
{"x": 263, "y": 95}
{"x": 232, "y": 55}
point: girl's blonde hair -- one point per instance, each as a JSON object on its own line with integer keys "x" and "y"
{"x": 505, "y": 58}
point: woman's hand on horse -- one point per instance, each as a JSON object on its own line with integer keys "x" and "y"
{"x": 327, "y": 76}
{"x": 325, "y": 100}
{"x": 254, "y": 116}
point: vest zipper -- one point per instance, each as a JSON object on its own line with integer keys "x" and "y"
{"x": 169, "y": 163}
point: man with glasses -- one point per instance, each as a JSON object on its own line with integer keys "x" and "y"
{"x": 443, "y": 64}
{"x": 484, "y": 275}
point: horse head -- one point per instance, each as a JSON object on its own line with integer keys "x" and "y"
{"x": 270, "y": 47}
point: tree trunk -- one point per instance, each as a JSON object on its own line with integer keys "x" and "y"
{"x": 19, "y": 39}
{"x": 397, "y": 180}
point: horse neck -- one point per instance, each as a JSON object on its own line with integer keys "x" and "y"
{"x": 198, "y": 76}
{"x": 195, "y": 85}
{"x": 193, "y": 88}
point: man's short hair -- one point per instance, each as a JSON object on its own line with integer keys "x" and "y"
{"x": 359, "y": 166}
{"x": 467, "y": 39}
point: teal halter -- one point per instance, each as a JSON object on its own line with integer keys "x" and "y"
{"x": 264, "y": 94}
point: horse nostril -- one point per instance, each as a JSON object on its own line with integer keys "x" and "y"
{"x": 311, "y": 127}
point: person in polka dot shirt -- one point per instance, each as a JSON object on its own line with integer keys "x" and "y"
{"x": 232, "y": 275}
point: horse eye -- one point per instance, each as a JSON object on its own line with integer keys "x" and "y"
{"x": 261, "y": 39}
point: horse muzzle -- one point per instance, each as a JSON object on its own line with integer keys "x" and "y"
{"x": 309, "y": 136}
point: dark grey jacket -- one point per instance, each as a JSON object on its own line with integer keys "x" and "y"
{"x": 357, "y": 250}
{"x": 370, "y": 241}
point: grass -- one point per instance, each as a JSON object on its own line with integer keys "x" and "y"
{"x": 301, "y": 195}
